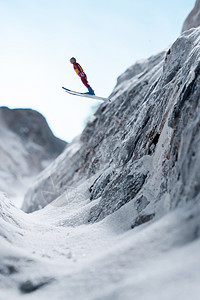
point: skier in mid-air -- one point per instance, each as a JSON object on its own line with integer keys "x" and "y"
{"x": 78, "y": 69}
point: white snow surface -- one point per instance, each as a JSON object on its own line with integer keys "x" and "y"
{"x": 105, "y": 260}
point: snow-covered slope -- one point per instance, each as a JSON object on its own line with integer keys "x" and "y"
{"x": 193, "y": 19}
{"x": 27, "y": 146}
{"x": 124, "y": 198}
{"x": 54, "y": 254}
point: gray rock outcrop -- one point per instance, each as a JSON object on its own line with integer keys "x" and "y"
{"x": 193, "y": 19}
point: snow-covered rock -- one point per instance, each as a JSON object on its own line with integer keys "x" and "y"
{"x": 27, "y": 147}
{"x": 193, "y": 19}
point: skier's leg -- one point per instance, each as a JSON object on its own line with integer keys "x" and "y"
{"x": 85, "y": 82}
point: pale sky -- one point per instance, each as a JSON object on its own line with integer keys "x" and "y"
{"x": 38, "y": 37}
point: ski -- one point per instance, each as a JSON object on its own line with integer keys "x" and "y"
{"x": 86, "y": 95}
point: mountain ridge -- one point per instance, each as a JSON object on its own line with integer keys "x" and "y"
{"x": 27, "y": 147}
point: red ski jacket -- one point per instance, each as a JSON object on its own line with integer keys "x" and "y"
{"x": 79, "y": 70}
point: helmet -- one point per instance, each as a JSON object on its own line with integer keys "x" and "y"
{"x": 73, "y": 59}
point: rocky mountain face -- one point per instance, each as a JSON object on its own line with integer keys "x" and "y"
{"x": 27, "y": 147}
{"x": 122, "y": 220}
{"x": 193, "y": 19}
{"x": 143, "y": 147}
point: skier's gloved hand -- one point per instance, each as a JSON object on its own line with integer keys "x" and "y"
{"x": 82, "y": 74}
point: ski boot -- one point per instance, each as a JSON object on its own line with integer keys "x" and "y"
{"x": 90, "y": 91}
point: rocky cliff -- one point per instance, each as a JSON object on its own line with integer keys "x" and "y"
{"x": 27, "y": 147}
{"x": 143, "y": 147}
{"x": 193, "y": 19}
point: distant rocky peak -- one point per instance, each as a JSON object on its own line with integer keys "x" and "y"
{"x": 30, "y": 125}
{"x": 193, "y": 19}
{"x": 27, "y": 147}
